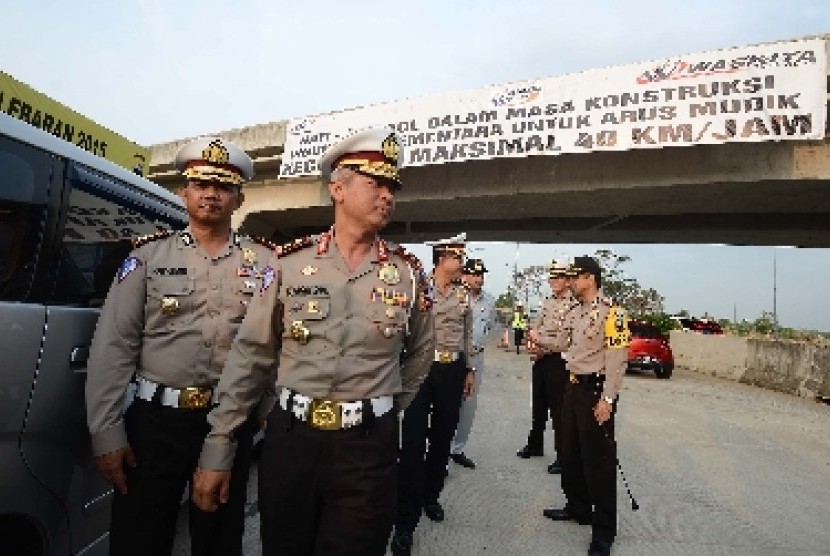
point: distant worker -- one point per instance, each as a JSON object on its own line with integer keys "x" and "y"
{"x": 519, "y": 325}
{"x": 596, "y": 336}
{"x": 483, "y": 306}
{"x": 172, "y": 311}
{"x": 549, "y": 375}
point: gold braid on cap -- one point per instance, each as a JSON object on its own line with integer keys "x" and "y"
{"x": 216, "y": 167}
{"x": 386, "y": 168}
{"x": 372, "y": 167}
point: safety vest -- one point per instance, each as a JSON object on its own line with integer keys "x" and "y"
{"x": 519, "y": 321}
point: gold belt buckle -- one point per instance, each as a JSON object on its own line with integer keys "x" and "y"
{"x": 445, "y": 357}
{"x": 326, "y": 415}
{"x": 573, "y": 379}
{"x": 194, "y": 397}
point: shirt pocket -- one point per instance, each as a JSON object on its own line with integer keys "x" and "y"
{"x": 238, "y": 298}
{"x": 305, "y": 317}
{"x": 170, "y": 300}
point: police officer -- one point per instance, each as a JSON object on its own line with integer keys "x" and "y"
{"x": 433, "y": 414}
{"x": 596, "y": 335}
{"x": 336, "y": 310}
{"x": 164, "y": 332}
{"x": 483, "y": 306}
{"x": 549, "y": 375}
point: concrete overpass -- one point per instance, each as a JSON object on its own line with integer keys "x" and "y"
{"x": 771, "y": 193}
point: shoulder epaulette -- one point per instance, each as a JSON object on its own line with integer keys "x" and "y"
{"x": 424, "y": 287}
{"x": 410, "y": 258}
{"x": 144, "y": 240}
{"x": 261, "y": 241}
{"x": 294, "y": 246}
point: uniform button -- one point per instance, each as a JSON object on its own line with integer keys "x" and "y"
{"x": 207, "y": 343}
{"x": 214, "y": 287}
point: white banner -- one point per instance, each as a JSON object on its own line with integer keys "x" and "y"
{"x": 768, "y": 92}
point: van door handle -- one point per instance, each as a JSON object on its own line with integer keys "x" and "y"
{"x": 79, "y": 356}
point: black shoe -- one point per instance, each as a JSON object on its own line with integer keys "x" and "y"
{"x": 528, "y": 452}
{"x": 555, "y": 468}
{"x": 564, "y": 514}
{"x": 401, "y": 543}
{"x": 463, "y": 460}
{"x": 599, "y": 547}
{"x": 434, "y": 511}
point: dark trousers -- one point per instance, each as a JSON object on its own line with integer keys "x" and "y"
{"x": 549, "y": 378}
{"x": 431, "y": 417}
{"x": 518, "y": 337}
{"x": 327, "y": 493}
{"x": 588, "y": 456}
{"x": 167, "y": 443}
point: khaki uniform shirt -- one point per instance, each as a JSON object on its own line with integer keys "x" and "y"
{"x": 453, "y": 321}
{"x": 550, "y": 320}
{"x": 338, "y": 334}
{"x": 170, "y": 315}
{"x": 599, "y": 339}
{"x": 483, "y": 313}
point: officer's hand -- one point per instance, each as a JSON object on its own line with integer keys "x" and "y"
{"x": 211, "y": 488}
{"x": 469, "y": 384}
{"x": 532, "y": 336}
{"x": 602, "y": 411}
{"x": 111, "y": 466}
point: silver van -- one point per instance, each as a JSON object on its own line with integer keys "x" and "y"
{"x": 66, "y": 218}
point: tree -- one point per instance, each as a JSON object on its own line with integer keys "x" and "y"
{"x": 625, "y": 290}
{"x": 506, "y": 300}
{"x": 528, "y": 283}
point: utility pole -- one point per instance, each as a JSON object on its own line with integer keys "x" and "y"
{"x": 774, "y": 294}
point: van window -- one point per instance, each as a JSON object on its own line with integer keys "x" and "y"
{"x": 96, "y": 239}
{"x": 22, "y": 212}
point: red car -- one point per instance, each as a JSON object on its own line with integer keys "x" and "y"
{"x": 705, "y": 326}
{"x": 649, "y": 350}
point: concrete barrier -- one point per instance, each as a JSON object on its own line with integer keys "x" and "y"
{"x": 797, "y": 368}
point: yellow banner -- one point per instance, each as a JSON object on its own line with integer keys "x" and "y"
{"x": 24, "y": 103}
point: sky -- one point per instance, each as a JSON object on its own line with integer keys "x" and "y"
{"x": 159, "y": 70}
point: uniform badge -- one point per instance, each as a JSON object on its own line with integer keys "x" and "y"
{"x": 169, "y": 305}
{"x": 250, "y": 284}
{"x": 249, "y": 255}
{"x": 309, "y": 270}
{"x": 299, "y": 332}
{"x": 390, "y": 312}
{"x": 313, "y": 307}
{"x": 617, "y": 334}
{"x": 388, "y": 332}
{"x": 388, "y": 274}
{"x": 268, "y": 277}
{"x": 129, "y": 264}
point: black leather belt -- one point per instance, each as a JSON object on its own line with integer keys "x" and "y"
{"x": 590, "y": 379}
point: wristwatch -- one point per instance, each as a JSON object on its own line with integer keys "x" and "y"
{"x": 607, "y": 399}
